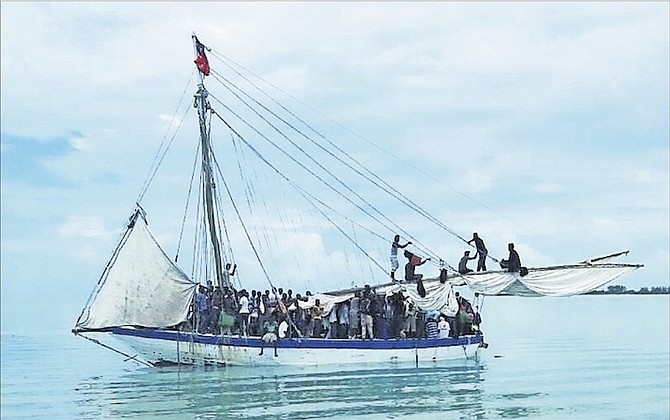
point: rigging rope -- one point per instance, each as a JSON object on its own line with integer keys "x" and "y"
{"x": 157, "y": 162}
{"x": 188, "y": 199}
{"x": 239, "y": 217}
{"x": 394, "y": 193}
{"x": 292, "y": 158}
{"x": 225, "y": 61}
{"x": 264, "y": 160}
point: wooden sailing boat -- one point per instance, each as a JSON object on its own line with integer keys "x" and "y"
{"x": 145, "y": 300}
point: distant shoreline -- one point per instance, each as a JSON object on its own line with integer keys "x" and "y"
{"x": 621, "y": 290}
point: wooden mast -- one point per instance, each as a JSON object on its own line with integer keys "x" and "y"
{"x": 202, "y": 104}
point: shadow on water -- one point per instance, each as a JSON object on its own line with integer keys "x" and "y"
{"x": 240, "y": 392}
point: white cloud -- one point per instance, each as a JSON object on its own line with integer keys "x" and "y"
{"x": 79, "y": 143}
{"x": 84, "y": 227}
{"x": 548, "y": 188}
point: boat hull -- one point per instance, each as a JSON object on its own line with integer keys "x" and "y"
{"x": 170, "y": 347}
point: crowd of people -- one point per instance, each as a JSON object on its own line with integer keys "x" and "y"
{"x": 366, "y": 315}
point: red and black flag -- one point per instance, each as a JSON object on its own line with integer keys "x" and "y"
{"x": 201, "y": 60}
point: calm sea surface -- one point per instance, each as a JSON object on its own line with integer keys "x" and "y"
{"x": 584, "y": 357}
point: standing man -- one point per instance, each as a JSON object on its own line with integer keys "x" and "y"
{"x": 227, "y": 274}
{"x": 366, "y": 311}
{"x": 481, "y": 250}
{"x": 394, "y": 254}
{"x": 202, "y": 309}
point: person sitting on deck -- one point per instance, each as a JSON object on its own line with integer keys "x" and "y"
{"x": 513, "y": 262}
{"x": 269, "y": 333}
{"x": 463, "y": 264}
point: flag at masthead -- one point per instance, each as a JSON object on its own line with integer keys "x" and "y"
{"x": 201, "y": 60}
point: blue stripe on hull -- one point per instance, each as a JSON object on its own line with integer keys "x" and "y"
{"x": 313, "y": 343}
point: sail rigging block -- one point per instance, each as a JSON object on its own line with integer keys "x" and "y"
{"x": 142, "y": 287}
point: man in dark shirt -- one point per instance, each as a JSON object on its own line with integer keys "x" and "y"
{"x": 463, "y": 264}
{"x": 409, "y": 267}
{"x": 514, "y": 262}
{"x": 481, "y": 251}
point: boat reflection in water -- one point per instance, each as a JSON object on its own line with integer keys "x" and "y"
{"x": 247, "y": 392}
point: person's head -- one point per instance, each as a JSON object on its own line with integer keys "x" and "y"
{"x": 510, "y": 246}
{"x": 396, "y": 238}
{"x": 407, "y": 254}
{"x": 475, "y": 235}
{"x": 290, "y": 292}
{"x": 457, "y": 294}
{"x": 466, "y": 253}
{"x": 227, "y": 266}
{"x": 317, "y": 302}
{"x": 476, "y": 294}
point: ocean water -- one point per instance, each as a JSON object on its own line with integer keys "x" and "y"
{"x": 584, "y": 357}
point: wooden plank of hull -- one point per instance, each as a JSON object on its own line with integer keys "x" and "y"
{"x": 161, "y": 347}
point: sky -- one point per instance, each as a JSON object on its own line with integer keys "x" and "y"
{"x": 542, "y": 124}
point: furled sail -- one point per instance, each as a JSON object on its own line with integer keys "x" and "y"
{"x": 439, "y": 296}
{"x": 141, "y": 287}
{"x": 564, "y": 280}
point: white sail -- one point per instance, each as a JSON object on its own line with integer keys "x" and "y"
{"x": 143, "y": 287}
{"x": 550, "y": 281}
{"x": 439, "y": 296}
